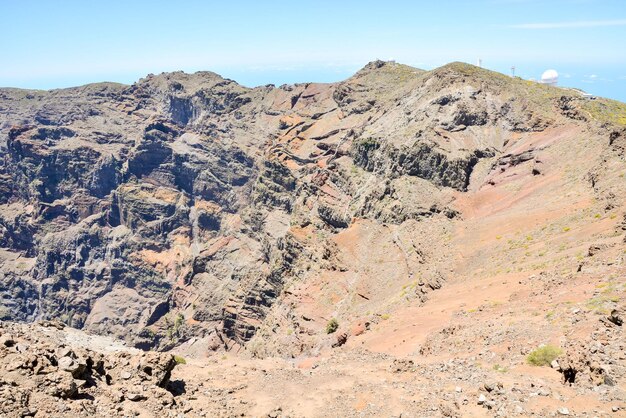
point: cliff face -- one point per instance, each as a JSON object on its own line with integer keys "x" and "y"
{"x": 189, "y": 206}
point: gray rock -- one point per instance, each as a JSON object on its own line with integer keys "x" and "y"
{"x": 64, "y": 352}
{"x": 29, "y": 412}
{"x": 74, "y": 366}
{"x": 66, "y": 363}
{"x": 135, "y": 397}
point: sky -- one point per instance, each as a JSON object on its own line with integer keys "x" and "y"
{"x": 53, "y": 44}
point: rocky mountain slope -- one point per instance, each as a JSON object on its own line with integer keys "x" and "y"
{"x": 446, "y": 223}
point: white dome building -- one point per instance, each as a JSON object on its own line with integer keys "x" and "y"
{"x": 550, "y": 77}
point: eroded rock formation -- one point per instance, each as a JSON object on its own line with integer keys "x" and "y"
{"x": 187, "y": 205}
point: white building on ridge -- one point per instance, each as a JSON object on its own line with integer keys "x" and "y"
{"x": 550, "y": 77}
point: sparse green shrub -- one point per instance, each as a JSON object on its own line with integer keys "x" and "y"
{"x": 369, "y": 143}
{"x": 543, "y": 356}
{"x": 180, "y": 319}
{"x": 180, "y": 359}
{"x": 332, "y": 326}
{"x": 173, "y": 330}
{"x": 500, "y": 369}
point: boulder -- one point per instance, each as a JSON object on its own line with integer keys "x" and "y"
{"x": 617, "y": 316}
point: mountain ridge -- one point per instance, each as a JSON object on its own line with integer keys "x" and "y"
{"x": 429, "y": 215}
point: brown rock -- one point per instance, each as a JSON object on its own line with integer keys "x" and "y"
{"x": 157, "y": 367}
{"x": 617, "y": 316}
{"x": 342, "y": 338}
{"x": 359, "y": 328}
{"x": 63, "y": 385}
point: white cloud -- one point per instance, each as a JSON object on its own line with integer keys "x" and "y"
{"x": 567, "y": 25}
{"x": 593, "y": 78}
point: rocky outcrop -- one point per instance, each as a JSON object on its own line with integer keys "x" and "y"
{"x": 275, "y": 186}
{"x": 596, "y": 361}
{"x": 47, "y": 372}
{"x": 421, "y": 159}
{"x": 245, "y": 311}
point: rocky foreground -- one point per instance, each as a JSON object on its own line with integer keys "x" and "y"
{"x": 405, "y": 242}
{"x": 49, "y": 371}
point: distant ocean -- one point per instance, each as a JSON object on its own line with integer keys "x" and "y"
{"x": 606, "y": 81}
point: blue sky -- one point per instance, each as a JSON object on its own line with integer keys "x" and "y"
{"x": 50, "y": 44}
